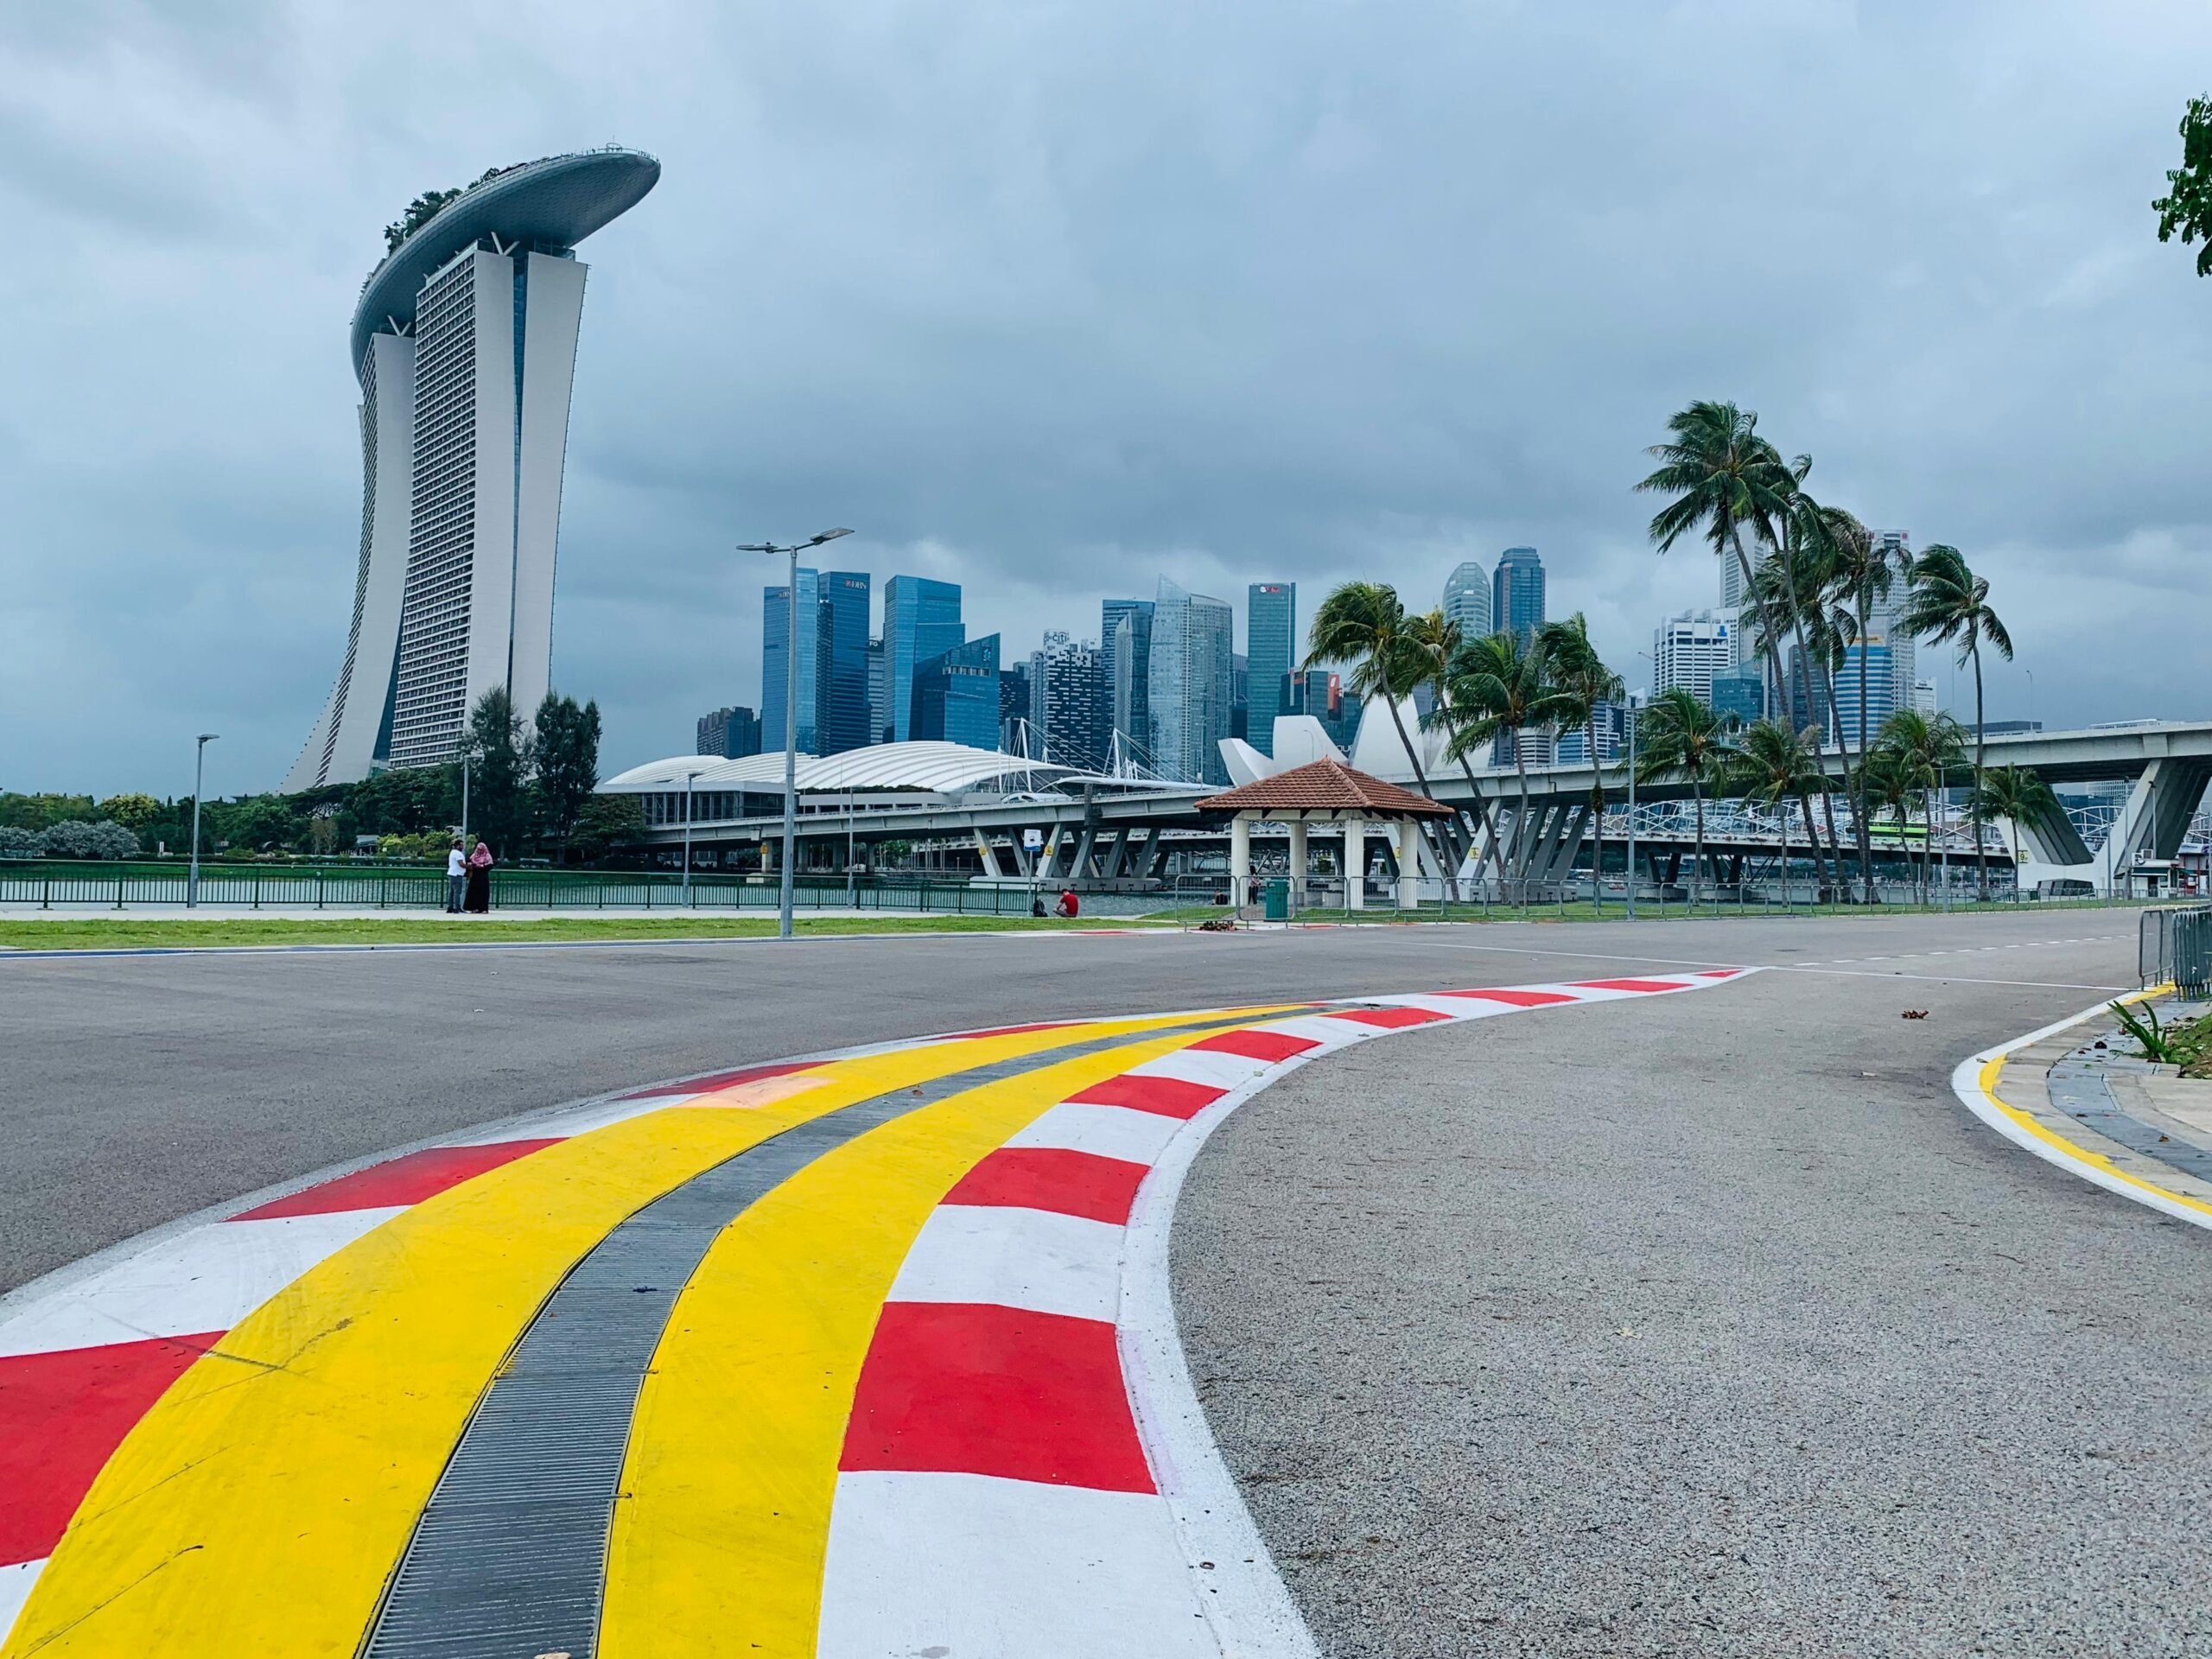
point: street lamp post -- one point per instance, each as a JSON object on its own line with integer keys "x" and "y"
{"x": 1633, "y": 699}
{"x": 688, "y": 777}
{"x": 791, "y": 709}
{"x": 199, "y": 777}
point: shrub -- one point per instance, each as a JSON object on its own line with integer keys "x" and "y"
{"x": 17, "y": 843}
{"x": 77, "y": 839}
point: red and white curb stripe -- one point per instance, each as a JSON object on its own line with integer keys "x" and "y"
{"x": 1026, "y": 1469}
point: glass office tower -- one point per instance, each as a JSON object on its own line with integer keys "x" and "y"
{"x": 1271, "y": 652}
{"x": 921, "y": 619}
{"x": 775, "y": 640}
{"x": 956, "y": 696}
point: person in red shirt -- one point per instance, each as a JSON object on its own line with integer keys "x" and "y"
{"x": 1069, "y": 904}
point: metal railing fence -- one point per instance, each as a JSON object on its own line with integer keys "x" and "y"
{"x": 2174, "y": 944}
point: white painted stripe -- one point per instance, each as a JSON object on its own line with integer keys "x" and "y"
{"x": 207, "y": 1279}
{"x": 970, "y": 1567}
{"x": 1321, "y": 1029}
{"x": 1017, "y": 1258}
{"x": 1212, "y": 1068}
{"x": 1250, "y": 1612}
{"x": 1120, "y": 1132}
{"x": 15, "y": 1581}
{"x": 569, "y": 1123}
{"x": 1459, "y": 1007}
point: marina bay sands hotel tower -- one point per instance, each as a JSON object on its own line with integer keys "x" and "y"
{"x": 465, "y": 343}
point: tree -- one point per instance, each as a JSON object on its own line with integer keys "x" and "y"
{"x": 497, "y": 749}
{"x": 1950, "y": 606}
{"x": 76, "y": 839}
{"x": 1861, "y": 571}
{"x": 1587, "y": 685}
{"x": 1770, "y": 762}
{"x": 2013, "y": 793}
{"x": 1364, "y": 624}
{"x": 257, "y": 823}
{"x": 1923, "y": 752}
{"x": 1886, "y": 780}
{"x": 133, "y": 812}
{"x": 1679, "y": 737}
{"x": 1723, "y": 478}
{"x": 567, "y": 764}
{"x": 2187, "y": 206}
{"x": 1437, "y": 636}
{"x": 1794, "y": 581}
{"x": 607, "y": 823}
{"x": 1497, "y": 689}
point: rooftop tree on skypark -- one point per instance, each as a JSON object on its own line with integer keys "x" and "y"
{"x": 1950, "y": 605}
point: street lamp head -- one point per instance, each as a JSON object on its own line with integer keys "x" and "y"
{"x": 821, "y": 536}
{"x": 208, "y": 737}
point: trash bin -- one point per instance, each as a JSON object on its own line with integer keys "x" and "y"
{"x": 1275, "y": 899}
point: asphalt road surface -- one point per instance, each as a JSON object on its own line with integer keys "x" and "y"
{"x": 1706, "y": 1326}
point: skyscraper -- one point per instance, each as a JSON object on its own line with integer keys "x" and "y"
{"x": 776, "y": 634}
{"x": 463, "y": 432}
{"x": 1467, "y": 600}
{"x": 1125, "y": 646}
{"x": 732, "y": 734}
{"x": 1882, "y": 620}
{"x": 1689, "y": 648}
{"x": 1881, "y": 691}
{"x": 840, "y": 662}
{"x": 1517, "y": 593}
{"x": 1192, "y": 640}
{"x": 1271, "y": 652}
{"x": 956, "y": 696}
{"x": 921, "y": 619}
{"x": 878, "y": 693}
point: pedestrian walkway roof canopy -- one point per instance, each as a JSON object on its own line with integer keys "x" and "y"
{"x": 1326, "y": 790}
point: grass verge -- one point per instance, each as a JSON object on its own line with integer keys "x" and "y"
{"x": 91, "y": 933}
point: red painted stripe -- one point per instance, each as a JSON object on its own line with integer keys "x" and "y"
{"x": 1389, "y": 1018}
{"x": 61, "y": 1417}
{"x": 403, "y": 1180}
{"x": 1169, "y": 1096}
{"x": 1016, "y": 1031}
{"x": 963, "y": 1388}
{"x": 1257, "y": 1044}
{"x": 707, "y": 1085}
{"x": 1718, "y": 973}
{"x": 1066, "y": 1182}
{"x": 1629, "y": 984}
{"x": 1517, "y": 999}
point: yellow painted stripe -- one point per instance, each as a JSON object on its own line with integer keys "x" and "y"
{"x": 1992, "y": 1073}
{"x": 719, "y": 1538}
{"x": 260, "y": 1506}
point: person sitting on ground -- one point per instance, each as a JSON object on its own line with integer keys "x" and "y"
{"x": 456, "y": 878}
{"x": 1069, "y": 904}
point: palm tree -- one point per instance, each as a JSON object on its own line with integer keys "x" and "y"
{"x": 1927, "y": 750}
{"x": 1679, "y": 737}
{"x": 1950, "y": 605}
{"x": 1498, "y": 688}
{"x": 1771, "y": 763}
{"x": 2013, "y": 793}
{"x": 1364, "y": 624}
{"x": 1438, "y": 636}
{"x": 1583, "y": 679}
{"x": 1722, "y": 478}
{"x": 1886, "y": 780}
{"x": 1861, "y": 570}
{"x": 1793, "y": 580}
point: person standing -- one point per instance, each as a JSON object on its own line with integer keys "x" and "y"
{"x": 456, "y": 878}
{"x": 479, "y": 880}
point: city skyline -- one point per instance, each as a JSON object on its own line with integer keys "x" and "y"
{"x": 167, "y": 575}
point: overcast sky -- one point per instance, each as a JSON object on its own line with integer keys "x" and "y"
{"x": 1051, "y": 300}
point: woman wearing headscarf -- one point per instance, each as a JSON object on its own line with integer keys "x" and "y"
{"x": 479, "y": 880}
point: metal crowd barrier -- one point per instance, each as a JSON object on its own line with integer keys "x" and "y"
{"x": 2175, "y": 944}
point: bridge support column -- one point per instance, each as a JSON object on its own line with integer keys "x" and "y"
{"x": 990, "y": 854}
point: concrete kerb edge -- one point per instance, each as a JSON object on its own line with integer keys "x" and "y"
{"x": 1971, "y": 1082}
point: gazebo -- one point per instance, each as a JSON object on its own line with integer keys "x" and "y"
{"x": 1324, "y": 791}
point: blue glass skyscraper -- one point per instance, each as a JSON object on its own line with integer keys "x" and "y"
{"x": 1125, "y": 651}
{"x": 1516, "y": 592}
{"x": 840, "y": 678}
{"x": 775, "y": 640}
{"x": 1193, "y": 643}
{"x": 956, "y": 696}
{"x": 921, "y": 619}
{"x": 1271, "y": 652}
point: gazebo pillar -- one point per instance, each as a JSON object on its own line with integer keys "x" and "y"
{"x": 1240, "y": 858}
{"x": 1355, "y": 863}
{"x": 1297, "y": 863}
{"x": 1408, "y": 865}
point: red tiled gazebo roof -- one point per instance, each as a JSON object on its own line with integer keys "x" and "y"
{"x": 1326, "y": 786}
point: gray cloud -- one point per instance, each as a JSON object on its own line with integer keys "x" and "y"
{"x": 1051, "y": 300}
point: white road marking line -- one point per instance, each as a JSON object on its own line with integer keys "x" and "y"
{"x": 1109, "y": 1131}
{"x": 15, "y": 1581}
